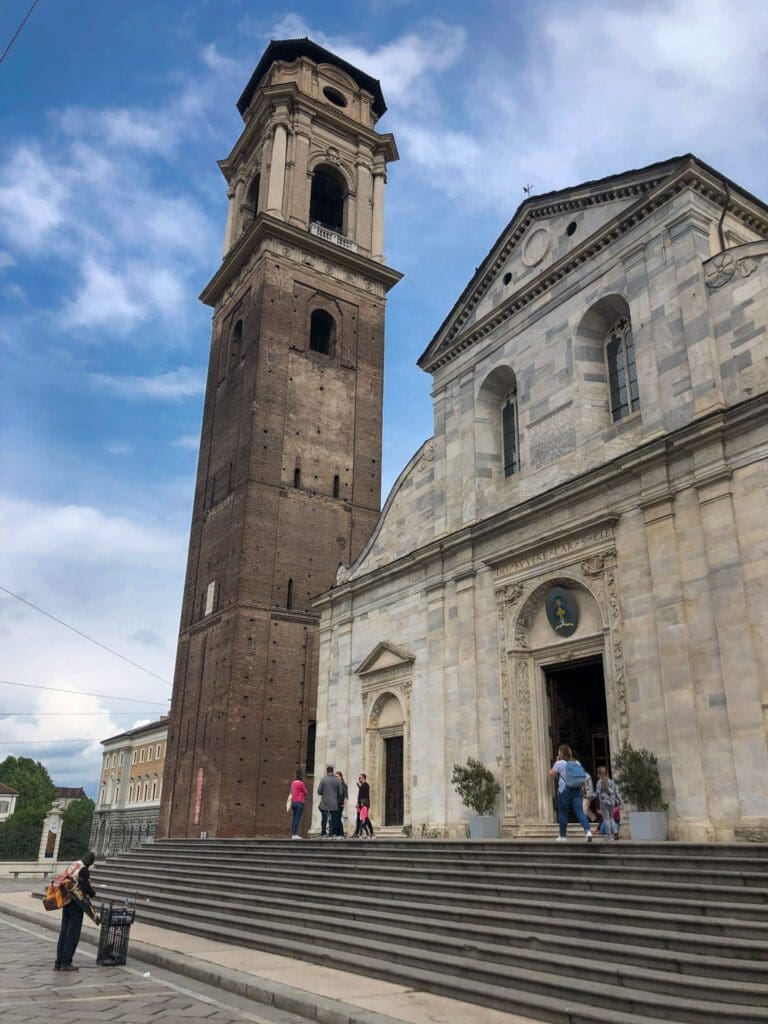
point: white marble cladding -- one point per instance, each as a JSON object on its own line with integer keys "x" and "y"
{"x": 656, "y": 523}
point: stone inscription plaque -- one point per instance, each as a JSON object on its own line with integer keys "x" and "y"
{"x": 552, "y": 437}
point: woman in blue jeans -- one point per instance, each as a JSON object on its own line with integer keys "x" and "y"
{"x": 568, "y": 797}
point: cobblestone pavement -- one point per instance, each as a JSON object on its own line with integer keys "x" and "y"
{"x": 32, "y": 993}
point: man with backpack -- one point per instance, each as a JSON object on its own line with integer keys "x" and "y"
{"x": 571, "y": 778}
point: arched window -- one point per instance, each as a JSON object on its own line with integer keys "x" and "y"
{"x": 326, "y": 202}
{"x": 497, "y": 434}
{"x": 154, "y": 788}
{"x": 336, "y": 485}
{"x": 322, "y": 332}
{"x": 130, "y": 794}
{"x": 289, "y": 595}
{"x": 251, "y": 204}
{"x": 622, "y": 369}
{"x": 509, "y": 433}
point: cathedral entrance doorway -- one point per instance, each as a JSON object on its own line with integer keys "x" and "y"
{"x": 577, "y": 712}
{"x": 393, "y": 780}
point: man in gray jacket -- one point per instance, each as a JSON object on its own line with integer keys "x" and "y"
{"x": 330, "y": 793}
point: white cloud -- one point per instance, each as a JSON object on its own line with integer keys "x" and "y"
{"x": 78, "y": 534}
{"x": 32, "y": 198}
{"x": 118, "y": 448}
{"x": 183, "y": 382}
{"x": 191, "y": 441}
{"x": 6, "y": 260}
{"x": 614, "y": 88}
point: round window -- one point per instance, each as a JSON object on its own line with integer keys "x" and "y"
{"x": 335, "y": 97}
{"x": 571, "y": 228}
{"x": 507, "y": 278}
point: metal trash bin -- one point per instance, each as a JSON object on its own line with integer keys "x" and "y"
{"x": 115, "y": 925}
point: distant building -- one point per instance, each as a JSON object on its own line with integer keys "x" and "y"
{"x": 8, "y": 798}
{"x": 130, "y": 787}
{"x": 66, "y": 795}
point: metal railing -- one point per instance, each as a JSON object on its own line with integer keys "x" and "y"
{"x": 19, "y": 842}
{"x": 316, "y": 228}
{"x": 108, "y": 840}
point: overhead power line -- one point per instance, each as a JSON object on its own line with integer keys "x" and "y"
{"x": 19, "y": 30}
{"x": 58, "y": 714}
{"x": 84, "y": 635}
{"x": 49, "y": 743}
{"x": 82, "y": 693}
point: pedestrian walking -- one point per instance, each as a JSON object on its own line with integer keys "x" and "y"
{"x": 342, "y": 805}
{"x": 363, "y": 804}
{"x": 607, "y": 793}
{"x": 589, "y": 796}
{"x": 571, "y": 777}
{"x": 329, "y": 792}
{"x": 298, "y": 799}
{"x": 75, "y": 883}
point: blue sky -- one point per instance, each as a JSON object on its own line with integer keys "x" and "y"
{"x": 112, "y": 215}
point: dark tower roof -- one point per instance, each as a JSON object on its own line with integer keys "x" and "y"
{"x": 289, "y": 49}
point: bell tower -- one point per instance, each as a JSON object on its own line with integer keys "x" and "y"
{"x": 289, "y": 471}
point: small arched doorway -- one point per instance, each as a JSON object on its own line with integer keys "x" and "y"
{"x": 387, "y": 721}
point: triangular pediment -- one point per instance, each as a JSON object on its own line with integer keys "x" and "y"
{"x": 385, "y": 655}
{"x": 550, "y": 237}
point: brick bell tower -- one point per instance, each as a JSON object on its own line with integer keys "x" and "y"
{"x": 289, "y": 472}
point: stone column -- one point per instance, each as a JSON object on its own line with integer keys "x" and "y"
{"x": 687, "y": 775}
{"x": 229, "y": 231}
{"x": 377, "y": 234}
{"x": 437, "y": 782}
{"x": 741, "y": 693}
{"x": 467, "y": 681}
{"x": 301, "y": 182}
{"x": 364, "y": 225}
{"x": 277, "y": 171}
{"x": 689, "y": 238}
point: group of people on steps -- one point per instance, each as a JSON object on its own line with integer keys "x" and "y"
{"x": 334, "y": 797}
{"x": 576, "y": 793}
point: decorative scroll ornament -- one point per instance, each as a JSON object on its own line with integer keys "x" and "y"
{"x": 427, "y": 457}
{"x": 721, "y": 268}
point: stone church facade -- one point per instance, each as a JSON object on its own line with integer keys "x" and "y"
{"x": 289, "y": 470}
{"x": 580, "y": 551}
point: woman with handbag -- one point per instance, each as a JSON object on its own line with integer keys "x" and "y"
{"x": 296, "y": 800}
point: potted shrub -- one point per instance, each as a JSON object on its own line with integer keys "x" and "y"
{"x": 478, "y": 790}
{"x": 637, "y": 776}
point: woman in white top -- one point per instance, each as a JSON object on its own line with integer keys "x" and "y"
{"x": 569, "y": 797}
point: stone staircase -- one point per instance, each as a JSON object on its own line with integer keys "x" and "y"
{"x": 620, "y": 933}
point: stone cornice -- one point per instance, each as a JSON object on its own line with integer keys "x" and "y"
{"x": 265, "y": 227}
{"x": 653, "y": 192}
{"x": 660, "y": 450}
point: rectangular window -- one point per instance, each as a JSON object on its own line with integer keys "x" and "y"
{"x": 141, "y": 755}
{"x": 157, "y": 752}
{"x": 149, "y": 753}
{"x": 4, "y": 806}
{"x": 120, "y": 760}
{"x": 210, "y": 599}
{"x": 133, "y": 757}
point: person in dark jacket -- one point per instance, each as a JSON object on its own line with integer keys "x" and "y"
{"x": 72, "y": 912}
{"x": 363, "y": 800}
{"x": 330, "y": 793}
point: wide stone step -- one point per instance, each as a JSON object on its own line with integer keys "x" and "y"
{"x": 742, "y": 875}
{"x": 422, "y": 921}
{"x": 667, "y": 850}
{"x": 750, "y": 903}
{"x": 647, "y": 917}
{"x": 447, "y": 969}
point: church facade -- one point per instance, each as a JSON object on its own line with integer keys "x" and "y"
{"x": 580, "y": 552}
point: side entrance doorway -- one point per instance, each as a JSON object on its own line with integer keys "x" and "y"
{"x": 393, "y": 780}
{"x": 578, "y": 714}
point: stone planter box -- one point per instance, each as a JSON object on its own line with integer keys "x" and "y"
{"x": 648, "y": 826}
{"x": 485, "y": 826}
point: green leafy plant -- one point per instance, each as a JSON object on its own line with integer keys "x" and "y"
{"x": 637, "y": 775}
{"x": 476, "y": 786}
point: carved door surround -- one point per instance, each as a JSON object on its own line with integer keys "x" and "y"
{"x": 526, "y": 787}
{"x": 387, "y": 672}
